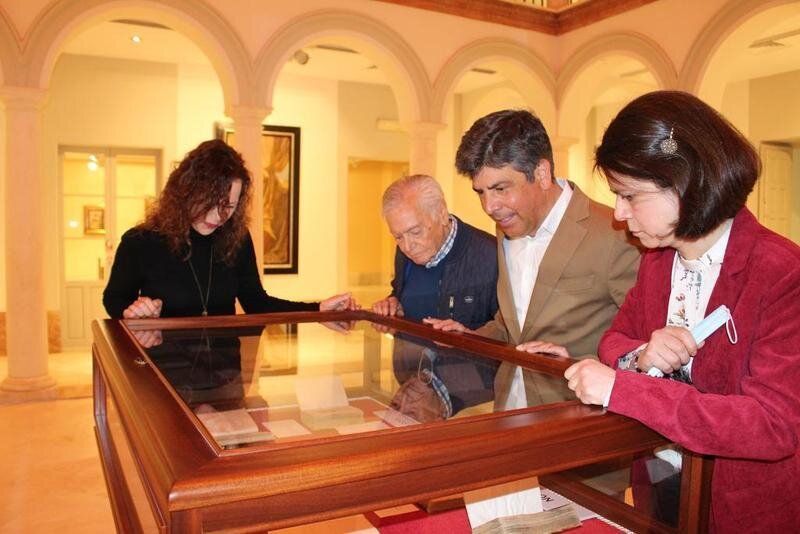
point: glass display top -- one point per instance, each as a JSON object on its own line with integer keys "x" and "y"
{"x": 280, "y": 383}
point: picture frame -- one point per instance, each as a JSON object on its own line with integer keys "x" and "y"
{"x": 94, "y": 222}
{"x": 280, "y": 146}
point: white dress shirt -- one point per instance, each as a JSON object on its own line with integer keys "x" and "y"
{"x": 524, "y": 255}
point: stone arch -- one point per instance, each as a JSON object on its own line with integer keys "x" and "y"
{"x": 9, "y": 49}
{"x": 198, "y": 22}
{"x": 524, "y": 69}
{"x": 711, "y": 41}
{"x": 638, "y": 47}
{"x": 390, "y": 52}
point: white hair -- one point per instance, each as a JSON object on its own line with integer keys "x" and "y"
{"x": 425, "y": 189}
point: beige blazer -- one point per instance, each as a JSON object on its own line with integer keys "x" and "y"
{"x": 584, "y": 276}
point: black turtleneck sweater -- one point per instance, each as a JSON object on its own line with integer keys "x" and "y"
{"x": 145, "y": 266}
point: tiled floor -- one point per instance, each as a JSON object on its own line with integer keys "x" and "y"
{"x": 52, "y": 479}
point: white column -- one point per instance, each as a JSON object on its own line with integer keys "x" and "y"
{"x": 26, "y": 314}
{"x": 561, "y": 155}
{"x": 247, "y": 127}
{"x": 422, "y": 141}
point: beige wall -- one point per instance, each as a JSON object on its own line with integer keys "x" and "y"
{"x": 313, "y": 107}
{"x": 370, "y": 257}
{"x": 199, "y": 107}
{"x": 775, "y": 117}
{"x": 775, "y": 107}
{"x": 736, "y": 105}
{"x": 374, "y": 159}
{"x": 360, "y": 107}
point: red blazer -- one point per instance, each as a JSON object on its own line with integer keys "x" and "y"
{"x": 744, "y": 405}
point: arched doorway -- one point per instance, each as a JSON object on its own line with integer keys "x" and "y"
{"x": 595, "y": 83}
{"x": 130, "y": 91}
{"x": 483, "y": 77}
{"x": 355, "y": 89}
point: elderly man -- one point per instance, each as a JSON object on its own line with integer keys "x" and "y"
{"x": 444, "y": 268}
{"x": 564, "y": 268}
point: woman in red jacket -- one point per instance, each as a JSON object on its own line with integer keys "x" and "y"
{"x": 681, "y": 174}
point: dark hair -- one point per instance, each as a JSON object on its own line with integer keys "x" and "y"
{"x": 200, "y": 182}
{"x": 510, "y": 137}
{"x": 712, "y": 171}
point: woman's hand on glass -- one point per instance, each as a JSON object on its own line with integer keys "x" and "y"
{"x": 669, "y": 348}
{"x": 143, "y": 308}
{"x": 591, "y": 380}
{"x": 148, "y": 338}
{"x": 341, "y": 302}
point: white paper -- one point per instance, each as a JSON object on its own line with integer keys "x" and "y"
{"x": 395, "y": 418}
{"x": 361, "y": 427}
{"x": 286, "y": 428}
{"x": 513, "y": 498}
{"x": 228, "y": 422}
{"x": 551, "y": 500}
{"x": 320, "y": 392}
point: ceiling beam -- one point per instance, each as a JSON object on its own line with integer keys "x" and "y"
{"x": 553, "y": 22}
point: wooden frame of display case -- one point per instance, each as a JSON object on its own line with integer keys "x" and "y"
{"x": 192, "y": 485}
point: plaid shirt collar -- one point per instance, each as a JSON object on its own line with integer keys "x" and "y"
{"x": 446, "y": 246}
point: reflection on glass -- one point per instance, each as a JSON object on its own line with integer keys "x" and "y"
{"x": 438, "y": 382}
{"x": 289, "y": 382}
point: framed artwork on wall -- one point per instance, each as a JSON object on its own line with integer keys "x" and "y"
{"x": 280, "y": 146}
{"x": 94, "y": 222}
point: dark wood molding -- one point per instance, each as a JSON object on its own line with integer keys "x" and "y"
{"x": 553, "y": 22}
{"x": 495, "y": 11}
{"x": 194, "y": 485}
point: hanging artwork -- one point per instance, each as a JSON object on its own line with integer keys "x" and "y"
{"x": 280, "y": 147}
{"x": 94, "y": 220}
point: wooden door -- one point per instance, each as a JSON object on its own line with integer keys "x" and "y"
{"x": 775, "y": 189}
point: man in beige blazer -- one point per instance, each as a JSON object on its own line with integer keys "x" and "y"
{"x": 564, "y": 268}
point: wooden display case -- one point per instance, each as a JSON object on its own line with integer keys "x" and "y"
{"x": 257, "y": 422}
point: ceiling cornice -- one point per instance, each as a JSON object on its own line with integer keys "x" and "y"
{"x": 553, "y": 22}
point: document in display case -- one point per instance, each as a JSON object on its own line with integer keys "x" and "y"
{"x": 256, "y": 422}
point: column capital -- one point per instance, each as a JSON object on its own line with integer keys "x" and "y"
{"x": 23, "y": 98}
{"x": 247, "y": 114}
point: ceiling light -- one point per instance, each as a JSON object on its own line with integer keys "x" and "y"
{"x": 301, "y": 57}
{"x": 92, "y": 163}
{"x": 135, "y": 39}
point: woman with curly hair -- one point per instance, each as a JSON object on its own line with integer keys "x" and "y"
{"x": 193, "y": 254}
